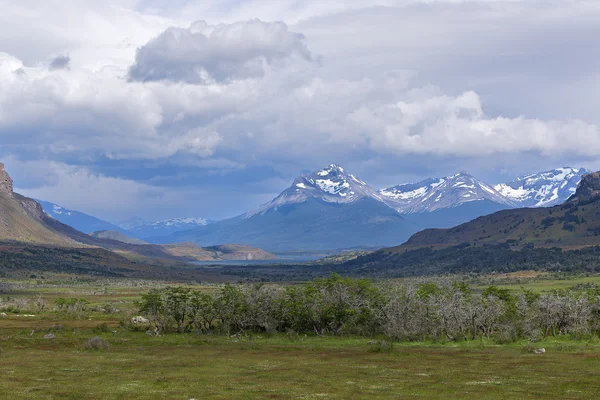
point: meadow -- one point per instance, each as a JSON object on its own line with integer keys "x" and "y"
{"x": 135, "y": 365}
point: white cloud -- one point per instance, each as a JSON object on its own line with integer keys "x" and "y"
{"x": 225, "y": 52}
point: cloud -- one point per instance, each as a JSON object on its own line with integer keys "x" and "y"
{"x": 60, "y": 62}
{"x": 221, "y": 53}
{"x": 402, "y": 86}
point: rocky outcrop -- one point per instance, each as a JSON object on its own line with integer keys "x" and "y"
{"x": 588, "y": 188}
{"x": 6, "y": 182}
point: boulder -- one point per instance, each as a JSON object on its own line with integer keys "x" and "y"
{"x": 50, "y": 336}
{"x": 540, "y": 351}
{"x": 139, "y": 320}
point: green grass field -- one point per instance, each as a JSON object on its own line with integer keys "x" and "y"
{"x": 188, "y": 366}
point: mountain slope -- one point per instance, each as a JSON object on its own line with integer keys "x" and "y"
{"x": 326, "y": 210}
{"x": 574, "y": 224}
{"x": 78, "y": 220}
{"x": 544, "y": 189}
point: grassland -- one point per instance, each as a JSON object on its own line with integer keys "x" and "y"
{"x": 186, "y": 366}
{"x": 538, "y": 282}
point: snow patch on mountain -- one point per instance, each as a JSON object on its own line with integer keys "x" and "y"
{"x": 58, "y": 210}
{"x": 544, "y": 189}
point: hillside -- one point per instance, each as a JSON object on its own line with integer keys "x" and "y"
{"x": 21, "y": 218}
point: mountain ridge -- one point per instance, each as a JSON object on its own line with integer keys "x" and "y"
{"x": 435, "y": 194}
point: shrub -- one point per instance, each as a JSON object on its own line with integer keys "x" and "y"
{"x": 96, "y": 343}
{"x": 102, "y": 328}
{"x": 381, "y": 346}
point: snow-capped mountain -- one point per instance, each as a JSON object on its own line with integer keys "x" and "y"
{"x": 331, "y": 184}
{"x": 333, "y": 209}
{"x": 327, "y": 210}
{"x": 544, "y": 189}
{"x": 76, "y": 219}
{"x": 144, "y": 229}
{"x": 437, "y": 194}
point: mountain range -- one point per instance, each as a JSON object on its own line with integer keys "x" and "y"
{"x": 332, "y": 209}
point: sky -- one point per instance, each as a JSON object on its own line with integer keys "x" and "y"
{"x": 162, "y": 109}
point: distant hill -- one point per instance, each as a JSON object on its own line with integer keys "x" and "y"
{"x": 193, "y": 252}
{"x": 142, "y": 229}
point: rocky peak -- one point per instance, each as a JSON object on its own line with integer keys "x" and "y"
{"x": 588, "y": 187}
{"x": 6, "y": 182}
{"x": 332, "y": 184}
